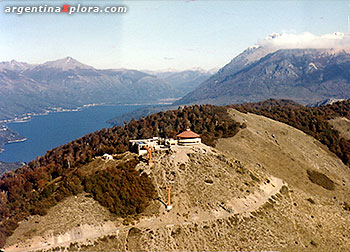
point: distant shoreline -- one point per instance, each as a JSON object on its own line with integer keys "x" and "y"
{"x": 17, "y": 141}
{"x": 28, "y": 116}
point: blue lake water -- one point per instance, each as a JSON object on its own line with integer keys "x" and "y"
{"x": 48, "y": 131}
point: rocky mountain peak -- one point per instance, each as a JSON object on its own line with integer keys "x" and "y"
{"x": 306, "y": 75}
{"x": 67, "y": 63}
{"x": 14, "y": 65}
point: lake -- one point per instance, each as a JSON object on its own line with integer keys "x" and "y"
{"x": 48, "y": 131}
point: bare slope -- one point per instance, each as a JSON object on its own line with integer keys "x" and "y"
{"x": 285, "y": 152}
{"x": 75, "y": 218}
{"x": 342, "y": 125}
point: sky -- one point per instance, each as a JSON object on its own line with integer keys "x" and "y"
{"x": 161, "y": 35}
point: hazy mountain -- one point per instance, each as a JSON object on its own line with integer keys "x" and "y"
{"x": 184, "y": 81}
{"x": 14, "y": 65}
{"x": 303, "y": 75}
{"x": 68, "y": 83}
{"x": 67, "y": 63}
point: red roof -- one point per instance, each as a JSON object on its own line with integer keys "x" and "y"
{"x": 188, "y": 134}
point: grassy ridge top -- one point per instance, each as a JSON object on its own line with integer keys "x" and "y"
{"x": 313, "y": 121}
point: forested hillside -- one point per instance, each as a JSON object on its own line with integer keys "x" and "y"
{"x": 60, "y": 172}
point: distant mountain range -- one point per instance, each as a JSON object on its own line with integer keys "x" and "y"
{"x": 28, "y": 89}
{"x": 184, "y": 81}
{"x": 303, "y": 75}
{"x": 67, "y": 83}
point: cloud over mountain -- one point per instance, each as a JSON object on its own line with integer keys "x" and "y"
{"x": 306, "y": 40}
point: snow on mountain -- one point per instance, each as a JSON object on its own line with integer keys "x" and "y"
{"x": 67, "y": 63}
{"x": 14, "y": 65}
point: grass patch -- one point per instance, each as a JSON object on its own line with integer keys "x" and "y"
{"x": 320, "y": 179}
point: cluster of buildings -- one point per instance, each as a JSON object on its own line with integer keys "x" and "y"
{"x": 185, "y": 138}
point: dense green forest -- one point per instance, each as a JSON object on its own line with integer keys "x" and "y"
{"x": 47, "y": 180}
{"x": 311, "y": 120}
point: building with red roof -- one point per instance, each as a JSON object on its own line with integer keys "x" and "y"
{"x": 188, "y": 137}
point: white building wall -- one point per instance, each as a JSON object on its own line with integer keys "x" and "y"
{"x": 188, "y": 141}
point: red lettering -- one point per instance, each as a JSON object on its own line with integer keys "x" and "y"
{"x": 65, "y": 8}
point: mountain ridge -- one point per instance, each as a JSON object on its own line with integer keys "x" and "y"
{"x": 67, "y": 63}
{"x": 68, "y": 83}
{"x": 303, "y": 75}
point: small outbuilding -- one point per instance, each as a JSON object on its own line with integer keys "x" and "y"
{"x": 139, "y": 145}
{"x": 105, "y": 157}
{"x": 188, "y": 137}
